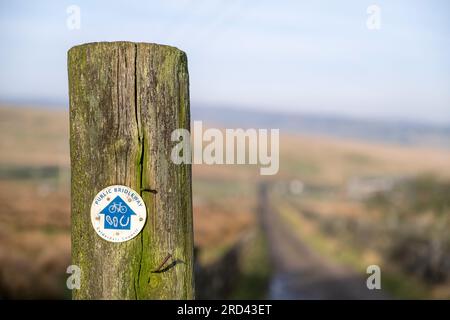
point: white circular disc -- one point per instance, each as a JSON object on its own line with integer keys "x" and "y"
{"x": 118, "y": 213}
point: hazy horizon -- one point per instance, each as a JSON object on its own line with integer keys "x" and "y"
{"x": 237, "y": 110}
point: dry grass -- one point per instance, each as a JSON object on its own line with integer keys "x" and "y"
{"x": 216, "y": 226}
{"x": 34, "y": 229}
{"x": 31, "y": 136}
{"x": 34, "y": 241}
{"x": 333, "y": 161}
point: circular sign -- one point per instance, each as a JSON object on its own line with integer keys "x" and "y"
{"x": 118, "y": 213}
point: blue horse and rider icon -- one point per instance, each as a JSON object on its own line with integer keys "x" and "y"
{"x": 117, "y": 215}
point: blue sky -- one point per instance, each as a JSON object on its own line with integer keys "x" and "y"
{"x": 305, "y": 56}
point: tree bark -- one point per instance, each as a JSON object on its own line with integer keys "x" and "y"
{"x": 125, "y": 101}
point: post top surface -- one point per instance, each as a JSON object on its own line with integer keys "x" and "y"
{"x": 113, "y": 44}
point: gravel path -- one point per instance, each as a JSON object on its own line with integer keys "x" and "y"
{"x": 299, "y": 272}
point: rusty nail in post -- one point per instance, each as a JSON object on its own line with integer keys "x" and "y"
{"x": 163, "y": 263}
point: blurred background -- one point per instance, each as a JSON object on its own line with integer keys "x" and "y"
{"x": 358, "y": 89}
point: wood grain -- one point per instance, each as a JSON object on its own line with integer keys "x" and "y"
{"x": 125, "y": 100}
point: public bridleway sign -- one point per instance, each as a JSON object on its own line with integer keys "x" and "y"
{"x": 118, "y": 213}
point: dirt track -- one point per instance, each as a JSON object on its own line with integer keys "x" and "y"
{"x": 299, "y": 272}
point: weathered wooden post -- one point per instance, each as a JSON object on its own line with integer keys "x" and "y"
{"x": 125, "y": 101}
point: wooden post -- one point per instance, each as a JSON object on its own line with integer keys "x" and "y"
{"x": 125, "y": 101}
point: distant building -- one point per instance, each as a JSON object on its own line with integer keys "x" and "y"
{"x": 361, "y": 188}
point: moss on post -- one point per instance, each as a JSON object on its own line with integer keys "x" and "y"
{"x": 125, "y": 100}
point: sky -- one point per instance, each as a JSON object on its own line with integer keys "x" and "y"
{"x": 296, "y": 56}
